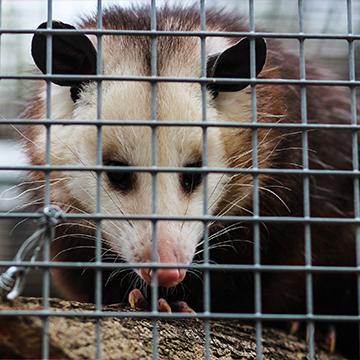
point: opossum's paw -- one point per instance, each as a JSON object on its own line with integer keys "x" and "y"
{"x": 324, "y": 336}
{"x": 137, "y": 301}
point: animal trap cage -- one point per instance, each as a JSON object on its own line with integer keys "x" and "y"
{"x": 35, "y": 251}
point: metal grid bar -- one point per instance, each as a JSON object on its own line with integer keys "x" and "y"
{"x": 355, "y": 143}
{"x": 154, "y": 193}
{"x": 0, "y": 28}
{"x": 201, "y": 316}
{"x": 50, "y": 232}
{"x": 179, "y": 79}
{"x": 255, "y": 189}
{"x": 183, "y": 170}
{"x": 306, "y": 189}
{"x": 205, "y": 151}
{"x": 159, "y": 33}
{"x": 257, "y": 268}
{"x": 213, "y": 267}
{"x": 168, "y": 123}
{"x": 99, "y": 161}
{"x": 207, "y": 218}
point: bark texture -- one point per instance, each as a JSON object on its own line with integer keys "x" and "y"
{"x": 130, "y": 339}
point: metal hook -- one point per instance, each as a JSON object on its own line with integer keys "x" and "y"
{"x": 13, "y": 279}
{"x": 11, "y": 282}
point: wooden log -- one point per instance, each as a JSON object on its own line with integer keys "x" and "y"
{"x": 130, "y": 338}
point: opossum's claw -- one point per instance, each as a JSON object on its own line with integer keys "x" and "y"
{"x": 330, "y": 339}
{"x": 164, "y": 306}
{"x": 294, "y": 327}
{"x": 137, "y": 300}
{"x": 182, "y": 307}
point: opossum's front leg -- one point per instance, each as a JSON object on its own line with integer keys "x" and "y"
{"x": 137, "y": 301}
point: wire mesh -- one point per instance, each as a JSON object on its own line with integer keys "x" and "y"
{"x": 256, "y": 218}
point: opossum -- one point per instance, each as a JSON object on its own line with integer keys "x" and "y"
{"x": 181, "y": 194}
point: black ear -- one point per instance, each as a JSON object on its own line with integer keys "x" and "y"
{"x": 71, "y": 55}
{"x": 234, "y": 62}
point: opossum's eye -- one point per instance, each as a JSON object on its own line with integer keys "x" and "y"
{"x": 234, "y": 63}
{"x": 121, "y": 180}
{"x": 190, "y": 181}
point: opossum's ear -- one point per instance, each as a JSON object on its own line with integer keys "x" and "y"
{"x": 72, "y": 54}
{"x": 234, "y": 62}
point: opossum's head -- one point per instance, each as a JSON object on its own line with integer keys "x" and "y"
{"x": 126, "y": 192}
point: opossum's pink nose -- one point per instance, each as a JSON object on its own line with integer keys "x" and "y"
{"x": 165, "y": 277}
{"x": 168, "y": 253}
{"x": 170, "y": 277}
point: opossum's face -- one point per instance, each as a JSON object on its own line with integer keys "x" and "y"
{"x": 130, "y": 192}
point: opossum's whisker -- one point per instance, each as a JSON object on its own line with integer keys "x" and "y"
{"x": 19, "y": 223}
{"x": 248, "y": 152}
{"x": 112, "y": 256}
{"x": 202, "y": 262}
{"x": 20, "y": 195}
{"x": 32, "y": 142}
{"x": 235, "y": 204}
{"x": 196, "y": 273}
{"x": 132, "y": 281}
{"x": 275, "y": 141}
{"x": 117, "y": 272}
{"x": 227, "y": 229}
{"x": 227, "y": 244}
{"x": 55, "y": 180}
{"x": 223, "y": 231}
{"x": 90, "y": 227}
{"x": 230, "y": 206}
{"x": 70, "y": 249}
{"x": 266, "y": 189}
{"x": 186, "y": 210}
{"x": 24, "y": 206}
{"x": 268, "y": 115}
{"x": 81, "y": 236}
{"x": 221, "y": 192}
{"x": 224, "y": 189}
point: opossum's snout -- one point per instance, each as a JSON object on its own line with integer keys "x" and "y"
{"x": 168, "y": 253}
{"x": 165, "y": 277}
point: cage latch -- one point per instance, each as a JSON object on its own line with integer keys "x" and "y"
{"x": 13, "y": 279}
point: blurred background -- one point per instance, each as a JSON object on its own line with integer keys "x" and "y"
{"x": 320, "y": 16}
